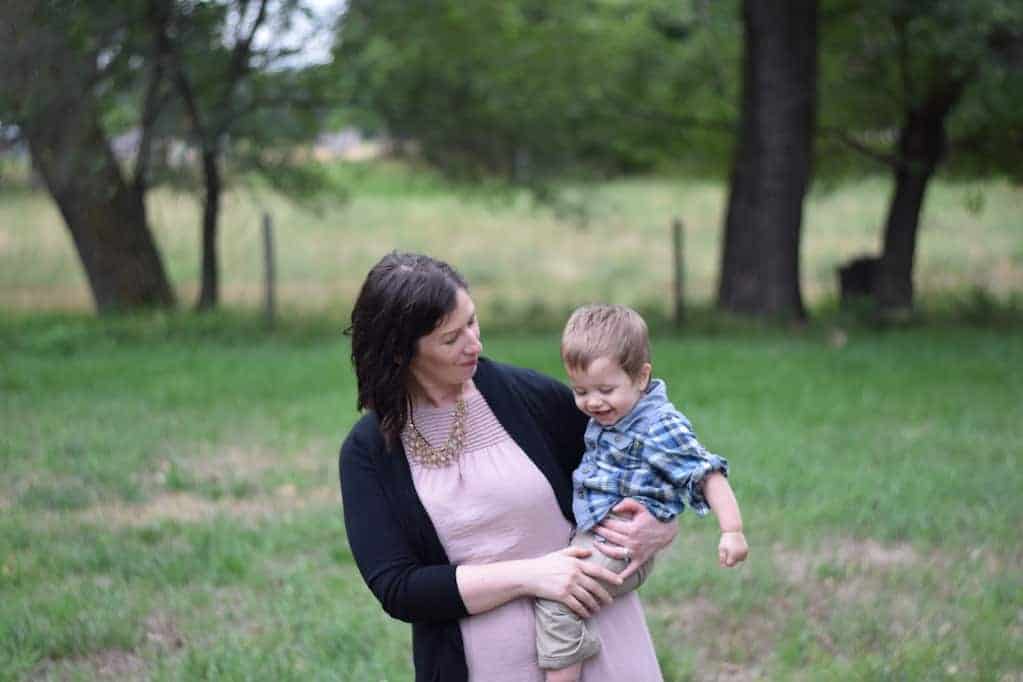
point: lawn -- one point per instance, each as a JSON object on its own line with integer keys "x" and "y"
{"x": 169, "y": 507}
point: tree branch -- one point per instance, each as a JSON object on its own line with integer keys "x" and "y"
{"x": 847, "y": 140}
{"x": 152, "y": 105}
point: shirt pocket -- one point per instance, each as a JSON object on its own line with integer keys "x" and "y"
{"x": 627, "y": 453}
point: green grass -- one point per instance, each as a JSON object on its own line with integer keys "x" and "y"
{"x": 168, "y": 484}
{"x": 169, "y": 506}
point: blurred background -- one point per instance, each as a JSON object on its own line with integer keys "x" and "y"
{"x": 817, "y": 205}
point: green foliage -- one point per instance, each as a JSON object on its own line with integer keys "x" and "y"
{"x": 881, "y": 59}
{"x": 524, "y": 89}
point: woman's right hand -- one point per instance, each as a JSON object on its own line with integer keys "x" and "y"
{"x": 564, "y": 576}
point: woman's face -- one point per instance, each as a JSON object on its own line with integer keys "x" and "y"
{"x": 447, "y": 356}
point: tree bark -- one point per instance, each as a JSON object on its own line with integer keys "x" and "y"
{"x": 61, "y": 122}
{"x": 107, "y": 219}
{"x": 209, "y": 292}
{"x": 771, "y": 171}
{"x": 922, "y": 145}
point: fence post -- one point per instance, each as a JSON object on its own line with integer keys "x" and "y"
{"x": 268, "y": 271}
{"x": 678, "y": 257}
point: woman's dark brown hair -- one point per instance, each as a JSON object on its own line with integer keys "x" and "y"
{"x": 405, "y": 296}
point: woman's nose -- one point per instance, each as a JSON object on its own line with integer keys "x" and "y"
{"x": 475, "y": 346}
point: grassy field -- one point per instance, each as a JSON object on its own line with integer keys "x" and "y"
{"x": 169, "y": 505}
{"x": 523, "y": 261}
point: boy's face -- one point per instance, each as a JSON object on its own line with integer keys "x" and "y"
{"x": 603, "y": 391}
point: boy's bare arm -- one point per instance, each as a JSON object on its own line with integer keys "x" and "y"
{"x": 732, "y": 549}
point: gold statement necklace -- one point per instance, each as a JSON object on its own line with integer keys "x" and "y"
{"x": 419, "y": 449}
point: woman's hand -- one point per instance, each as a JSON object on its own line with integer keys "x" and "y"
{"x": 565, "y": 577}
{"x": 637, "y": 537}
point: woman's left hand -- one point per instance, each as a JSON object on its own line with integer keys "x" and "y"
{"x": 636, "y": 537}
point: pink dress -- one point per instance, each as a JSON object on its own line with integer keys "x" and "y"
{"x": 493, "y": 504}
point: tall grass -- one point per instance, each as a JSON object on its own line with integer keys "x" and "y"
{"x": 608, "y": 240}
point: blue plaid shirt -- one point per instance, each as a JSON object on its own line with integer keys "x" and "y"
{"x": 651, "y": 454}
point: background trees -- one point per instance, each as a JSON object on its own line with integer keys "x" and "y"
{"x": 214, "y": 73}
{"x": 909, "y": 84}
{"x": 56, "y": 68}
{"x": 526, "y": 90}
{"x": 529, "y": 92}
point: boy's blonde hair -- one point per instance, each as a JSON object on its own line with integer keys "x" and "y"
{"x": 612, "y": 331}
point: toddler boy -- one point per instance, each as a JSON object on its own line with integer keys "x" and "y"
{"x": 637, "y": 445}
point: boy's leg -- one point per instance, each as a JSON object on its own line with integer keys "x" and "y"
{"x": 563, "y": 639}
{"x": 589, "y": 541}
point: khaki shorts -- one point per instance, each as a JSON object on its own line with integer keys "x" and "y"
{"x": 562, "y": 637}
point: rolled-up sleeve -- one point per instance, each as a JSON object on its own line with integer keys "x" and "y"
{"x": 677, "y": 456}
{"x": 407, "y": 588}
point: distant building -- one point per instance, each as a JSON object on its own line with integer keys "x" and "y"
{"x": 349, "y": 144}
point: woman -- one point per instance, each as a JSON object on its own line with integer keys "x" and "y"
{"x": 457, "y": 490}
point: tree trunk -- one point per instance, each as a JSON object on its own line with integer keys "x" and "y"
{"x": 771, "y": 171}
{"x": 922, "y": 144}
{"x": 209, "y": 292}
{"x": 107, "y": 220}
{"x": 61, "y": 122}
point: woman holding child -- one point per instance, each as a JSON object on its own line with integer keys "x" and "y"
{"x": 457, "y": 490}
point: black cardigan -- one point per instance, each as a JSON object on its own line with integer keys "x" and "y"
{"x": 390, "y": 534}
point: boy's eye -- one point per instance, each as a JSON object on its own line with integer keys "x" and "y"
{"x": 604, "y": 390}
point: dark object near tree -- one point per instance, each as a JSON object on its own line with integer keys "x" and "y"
{"x": 857, "y": 279}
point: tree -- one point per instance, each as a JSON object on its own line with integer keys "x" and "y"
{"x": 907, "y": 68}
{"x": 70, "y": 69}
{"x": 225, "y": 80}
{"x": 771, "y": 171}
{"x": 49, "y": 75}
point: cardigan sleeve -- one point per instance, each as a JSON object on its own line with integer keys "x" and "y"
{"x": 408, "y": 589}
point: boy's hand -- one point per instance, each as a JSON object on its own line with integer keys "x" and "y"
{"x": 732, "y": 550}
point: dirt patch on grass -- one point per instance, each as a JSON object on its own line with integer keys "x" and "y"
{"x": 842, "y": 557}
{"x": 162, "y": 632}
{"x": 232, "y": 461}
{"x": 726, "y": 649}
{"x": 108, "y": 664}
{"x": 816, "y": 586}
{"x": 160, "y": 635}
{"x": 187, "y": 507}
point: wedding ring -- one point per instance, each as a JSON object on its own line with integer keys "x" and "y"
{"x": 628, "y": 555}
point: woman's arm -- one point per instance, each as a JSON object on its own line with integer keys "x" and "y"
{"x": 407, "y": 589}
{"x": 560, "y": 576}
